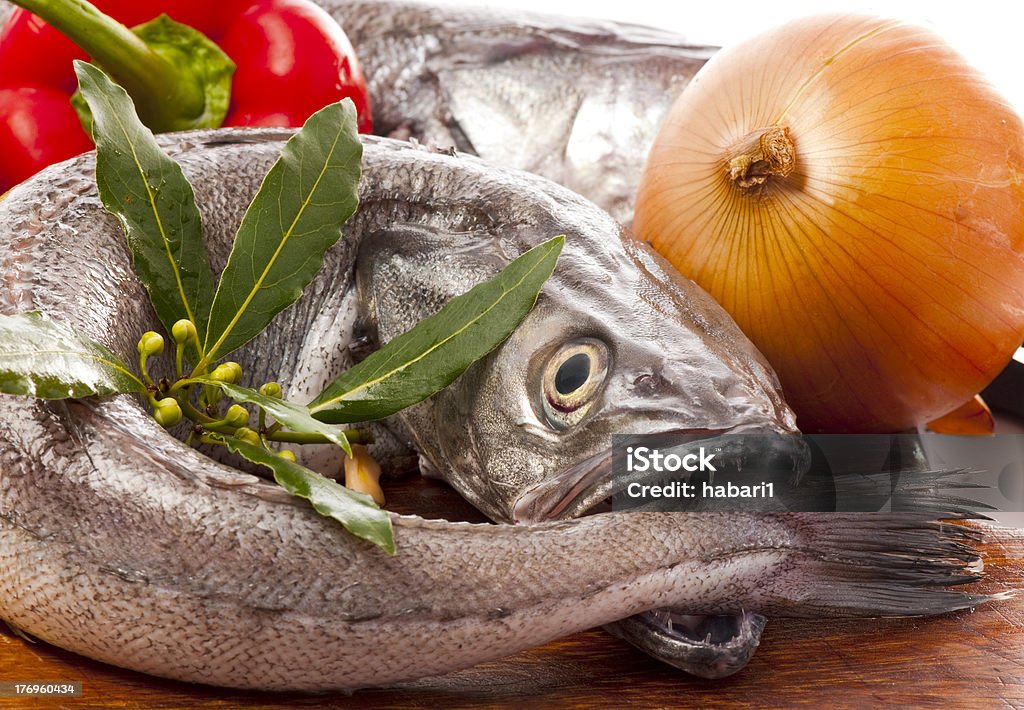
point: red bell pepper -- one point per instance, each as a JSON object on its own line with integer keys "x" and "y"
{"x": 291, "y": 59}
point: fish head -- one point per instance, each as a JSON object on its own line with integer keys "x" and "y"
{"x": 618, "y": 343}
{"x": 575, "y": 100}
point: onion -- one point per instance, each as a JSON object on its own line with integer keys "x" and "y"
{"x": 851, "y": 192}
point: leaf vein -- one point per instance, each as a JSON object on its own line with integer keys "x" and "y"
{"x": 432, "y": 348}
{"x": 286, "y": 236}
{"x": 151, "y": 200}
{"x": 85, "y": 355}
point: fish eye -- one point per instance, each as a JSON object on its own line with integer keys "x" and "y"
{"x": 573, "y": 379}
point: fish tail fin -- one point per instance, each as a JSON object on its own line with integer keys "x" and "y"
{"x": 880, "y": 564}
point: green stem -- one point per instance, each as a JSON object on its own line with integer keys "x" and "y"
{"x": 206, "y": 439}
{"x": 178, "y": 356}
{"x": 201, "y": 369}
{"x": 192, "y": 413}
{"x": 211, "y": 395}
{"x": 221, "y": 427}
{"x": 142, "y": 369}
{"x": 359, "y": 436}
{"x": 158, "y": 88}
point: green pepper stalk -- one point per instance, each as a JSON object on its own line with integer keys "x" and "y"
{"x": 257, "y": 63}
{"x": 159, "y": 74}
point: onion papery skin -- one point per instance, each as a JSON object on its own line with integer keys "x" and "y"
{"x": 882, "y": 277}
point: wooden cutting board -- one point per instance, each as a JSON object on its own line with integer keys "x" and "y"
{"x": 970, "y": 659}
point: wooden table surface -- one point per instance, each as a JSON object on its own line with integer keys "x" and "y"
{"x": 970, "y": 659}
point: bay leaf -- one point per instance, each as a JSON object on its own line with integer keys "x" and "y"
{"x": 294, "y": 218}
{"x": 46, "y": 359}
{"x": 427, "y": 358}
{"x": 148, "y": 193}
{"x": 357, "y": 512}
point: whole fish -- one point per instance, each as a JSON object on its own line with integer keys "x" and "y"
{"x": 578, "y": 101}
{"x": 119, "y": 542}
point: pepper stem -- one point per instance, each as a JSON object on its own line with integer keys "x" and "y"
{"x": 162, "y": 94}
{"x": 762, "y": 154}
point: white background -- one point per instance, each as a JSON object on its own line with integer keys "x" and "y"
{"x": 989, "y": 34}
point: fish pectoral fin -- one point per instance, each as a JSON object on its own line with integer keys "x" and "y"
{"x": 503, "y": 119}
{"x": 428, "y": 470}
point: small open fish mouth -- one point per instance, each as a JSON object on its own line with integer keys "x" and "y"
{"x": 588, "y": 487}
{"x": 705, "y": 646}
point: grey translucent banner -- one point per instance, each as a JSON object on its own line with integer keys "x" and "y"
{"x": 760, "y": 472}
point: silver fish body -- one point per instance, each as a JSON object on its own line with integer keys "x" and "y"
{"x": 120, "y": 543}
{"x": 578, "y": 101}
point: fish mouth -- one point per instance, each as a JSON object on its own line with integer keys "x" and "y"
{"x": 704, "y": 646}
{"x": 588, "y": 487}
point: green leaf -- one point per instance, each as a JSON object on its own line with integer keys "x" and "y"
{"x": 295, "y": 217}
{"x": 198, "y": 62}
{"x": 42, "y": 358}
{"x": 356, "y": 511}
{"x": 294, "y": 416}
{"x": 438, "y": 349}
{"x": 148, "y": 193}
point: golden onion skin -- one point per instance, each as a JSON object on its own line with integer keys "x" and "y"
{"x": 883, "y": 275}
